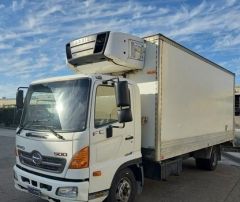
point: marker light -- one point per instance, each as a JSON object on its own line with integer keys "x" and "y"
{"x": 80, "y": 159}
{"x": 97, "y": 173}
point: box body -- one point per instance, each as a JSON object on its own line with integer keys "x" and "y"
{"x": 186, "y": 100}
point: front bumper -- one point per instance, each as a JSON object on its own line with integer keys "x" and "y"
{"x": 48, "y": 187}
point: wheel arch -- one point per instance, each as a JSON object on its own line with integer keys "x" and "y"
{"x": 136, "y": 167}
{"x": 205, "y": 153}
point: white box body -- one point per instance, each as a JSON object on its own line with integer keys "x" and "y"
{"x": 186, "y": 100}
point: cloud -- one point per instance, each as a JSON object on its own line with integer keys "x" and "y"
{"x": 50, "y": 11}
{"x": 18, "y": 5}
{"x": 2, "y": 6}
{"x": 5, "y": 35}
{"x": 34, "y": 33}
{"x": 8, "y": 90}
{"x": 41, "y": 17}
{"x": 25, "y": 49}
{"x": 19, "y": 66}
{"x": 4, "y": 46}
{"x": 20, "y": 34}
{"x": 230, "y": 2}
{"x": 14, "y": 5}
{"x": 30, "y": 22}
{"x": 204, "y": 19}
{"x": 229, "y": 41}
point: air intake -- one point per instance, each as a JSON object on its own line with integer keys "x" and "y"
{"x": 87, "y": 49}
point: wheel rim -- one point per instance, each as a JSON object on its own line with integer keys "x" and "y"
{"x": 123, "y": 190}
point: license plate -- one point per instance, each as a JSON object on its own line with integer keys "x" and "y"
{"x": 34, "y": 191}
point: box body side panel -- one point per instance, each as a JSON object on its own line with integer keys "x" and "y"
{"x": 197, "y": 103}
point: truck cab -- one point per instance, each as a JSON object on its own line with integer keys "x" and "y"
{"x": 78, "y": 133}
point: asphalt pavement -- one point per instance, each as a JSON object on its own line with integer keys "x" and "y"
{"x": 193, "y": 185}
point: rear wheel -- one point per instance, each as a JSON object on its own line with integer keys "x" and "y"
{"x": 208, "y": 164}
{"x": 124, "y": 187}
{"x": 212, "y": 163}
{"x": 200, "y": 163}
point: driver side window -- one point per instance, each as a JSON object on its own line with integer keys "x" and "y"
{"x": 105, "y": 106}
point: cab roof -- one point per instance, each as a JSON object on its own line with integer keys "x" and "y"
{"x": 61, "y": 78}
{"x": 77, "y": 76}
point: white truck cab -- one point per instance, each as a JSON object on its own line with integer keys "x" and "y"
{"x": 56, "y": 152}
{"x": 87, "y": 137}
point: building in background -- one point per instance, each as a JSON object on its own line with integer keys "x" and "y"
{"x": 7, "y": 102}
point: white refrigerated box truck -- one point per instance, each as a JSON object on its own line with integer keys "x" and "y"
{"x": 136, "y": 107}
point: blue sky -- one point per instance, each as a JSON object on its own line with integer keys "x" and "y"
{"x": 33, "y": 33}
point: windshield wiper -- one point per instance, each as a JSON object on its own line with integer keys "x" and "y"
{"x": 24, "y": 125}
{"x": 46, "y": 127}
{"x": 37, "y": 136}
{"x": 53, "y": 132}
{"x": 28, "y": 123}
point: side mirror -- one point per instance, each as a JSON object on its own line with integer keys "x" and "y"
{"x": 122, "y": 94}
{"x": 19, "y": 99}
{"x": 125, "y": 115}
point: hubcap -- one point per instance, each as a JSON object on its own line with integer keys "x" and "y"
{"x": 123, "y": 190}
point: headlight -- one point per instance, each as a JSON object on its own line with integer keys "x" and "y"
{"x": 70, "y": 192}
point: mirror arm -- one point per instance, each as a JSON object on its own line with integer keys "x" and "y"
{"x": 112, "y": 80}
{"x": 123, "y": 126}
{"x": 109, "y": 132}
{"x": 22, "y": 88}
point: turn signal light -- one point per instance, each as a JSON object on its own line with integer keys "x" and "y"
{"x": 97, "y": 173}
{"x": 80, "y": 159}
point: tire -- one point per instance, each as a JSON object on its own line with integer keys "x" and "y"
{"x": 208, "y": 164}
{"x": 123, "y": 188}
{"x": 200, "y": 163}
{"x": 211, "y": 164}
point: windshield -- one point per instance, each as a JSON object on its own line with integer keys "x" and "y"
{"x": 59, "y": 105}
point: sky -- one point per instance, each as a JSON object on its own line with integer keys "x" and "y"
{"x": 33, "y": 33}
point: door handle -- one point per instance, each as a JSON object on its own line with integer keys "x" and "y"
{"x": 129, "y": 138}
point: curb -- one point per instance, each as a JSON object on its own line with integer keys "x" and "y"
{"x": 9, "y": 128}
{"x": 231, "y": 157}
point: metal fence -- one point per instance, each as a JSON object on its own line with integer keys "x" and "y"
{"x": 9, "y": 116}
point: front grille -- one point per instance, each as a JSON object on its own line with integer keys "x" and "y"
{"x": 48, "y": 163}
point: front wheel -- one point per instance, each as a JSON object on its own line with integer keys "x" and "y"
{"x": 124, "y": 187}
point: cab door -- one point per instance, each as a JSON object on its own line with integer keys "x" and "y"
{"x": 110, "y": 142}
